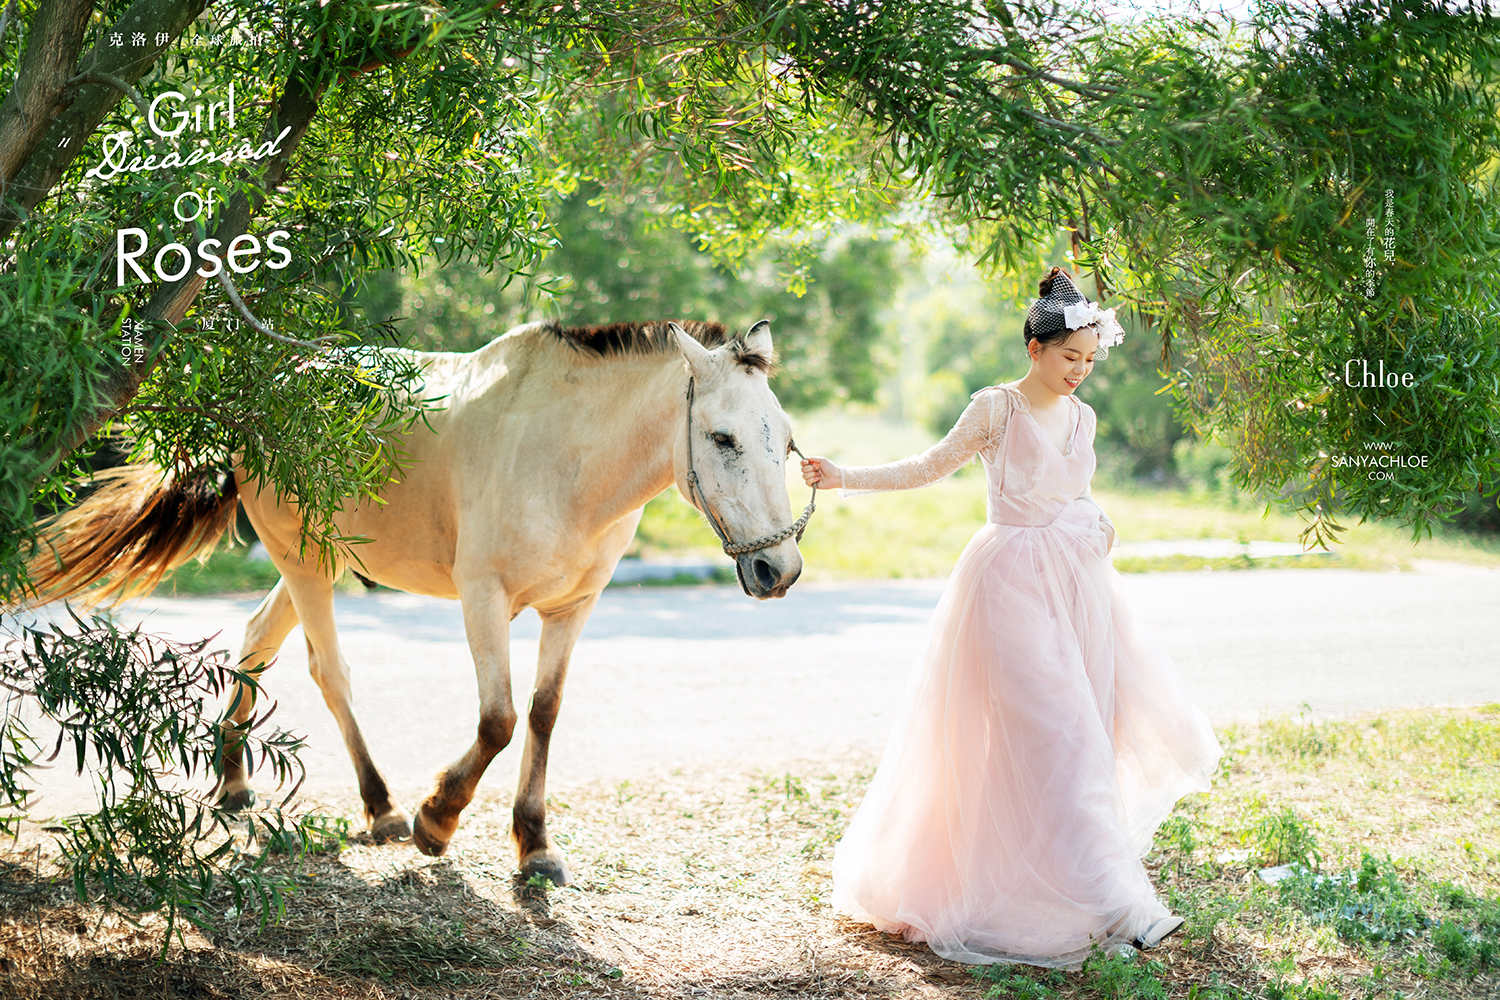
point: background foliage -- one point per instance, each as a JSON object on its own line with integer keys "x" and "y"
{"x": 620, "y": 260}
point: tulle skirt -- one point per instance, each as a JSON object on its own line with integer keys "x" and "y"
{"x": 1043, "y": 738}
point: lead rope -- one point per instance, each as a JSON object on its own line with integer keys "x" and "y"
{"x": 740, "y": 548}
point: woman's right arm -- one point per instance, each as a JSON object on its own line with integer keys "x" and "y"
{"x": 971, "y": 434}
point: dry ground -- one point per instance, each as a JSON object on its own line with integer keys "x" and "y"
{"x": 715, "y": 884}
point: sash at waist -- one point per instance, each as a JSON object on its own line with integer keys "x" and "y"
{"x": 1078, "y": 515}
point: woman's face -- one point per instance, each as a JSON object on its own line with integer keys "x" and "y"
{"x": 1064, "y": 364}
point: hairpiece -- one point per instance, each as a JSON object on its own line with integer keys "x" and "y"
{"x": 1063, "y": 307}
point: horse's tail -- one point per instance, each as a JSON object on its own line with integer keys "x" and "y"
{"x": 141, "y": 523}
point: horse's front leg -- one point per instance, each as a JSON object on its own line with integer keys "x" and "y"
{"x": 529, "y": 824}
{"x": 487, "y": 624}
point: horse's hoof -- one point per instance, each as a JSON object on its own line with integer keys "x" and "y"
{"x": 549, "y": 866}
{"x": 429, "y": 837}
{"x": 393, "y": 826}
{"x": 237, "y": 800}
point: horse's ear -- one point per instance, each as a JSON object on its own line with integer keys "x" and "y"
{"x": 696, "y": 353}
{"x": 758, "y": 340}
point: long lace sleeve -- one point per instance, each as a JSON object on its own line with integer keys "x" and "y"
{"x": 982, "y": 423}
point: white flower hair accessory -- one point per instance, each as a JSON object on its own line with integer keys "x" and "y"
{"x": 1063, "y": 308}
{"x": 1085, "y": 312}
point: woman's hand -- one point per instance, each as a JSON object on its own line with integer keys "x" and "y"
{"x": 820, "y": 472}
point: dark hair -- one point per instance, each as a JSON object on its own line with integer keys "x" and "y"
{"x": 1044, "y": 320}
{"x": 1045, "y": 285}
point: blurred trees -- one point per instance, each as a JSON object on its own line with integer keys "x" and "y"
{"x": 967, "y": 334}
{"x": 618, "y": 259}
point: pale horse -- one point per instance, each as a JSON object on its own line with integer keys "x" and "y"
{"x": 525, "y": 492}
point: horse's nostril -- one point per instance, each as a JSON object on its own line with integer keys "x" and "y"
{"x": 765, "y": 575}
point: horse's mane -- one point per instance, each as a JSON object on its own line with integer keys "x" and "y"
{"x": 619, "y": 339}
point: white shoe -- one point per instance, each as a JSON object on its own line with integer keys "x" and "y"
{"x": 1157, "y": 932}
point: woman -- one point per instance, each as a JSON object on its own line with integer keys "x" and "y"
{"x": 1044, "y": 735}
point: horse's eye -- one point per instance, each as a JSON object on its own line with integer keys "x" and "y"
{"x": 723, "y": 440}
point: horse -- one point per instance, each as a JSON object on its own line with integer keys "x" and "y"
{"x": 524, "y": 490}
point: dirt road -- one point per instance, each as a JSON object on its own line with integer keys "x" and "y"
{"x": 677, "y": 676}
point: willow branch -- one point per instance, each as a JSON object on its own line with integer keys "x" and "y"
{"x": 261, "y": 328}
{"x": 110, "y": 80}
{"x": 199, "y": 411}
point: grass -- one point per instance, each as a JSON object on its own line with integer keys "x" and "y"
{"x": 227, "y": 571}
{"x": 718, "y": 575}
{"x": 1149, "y": 515}
{"x": 715, "y": 882}
{"x": 917, "y": 533}
{"x": 230, "y": 570}
{"x": 920, "y": 533}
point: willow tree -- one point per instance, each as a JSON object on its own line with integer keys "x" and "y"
{"x": 182, "y": 197}
{"x": 1220, "y": 180}
{"x": 1302, "y": 207}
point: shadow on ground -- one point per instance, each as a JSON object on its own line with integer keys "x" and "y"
{"x": 412, "y": 931}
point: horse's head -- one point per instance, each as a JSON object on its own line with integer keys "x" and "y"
{"x": 735, "y": 448}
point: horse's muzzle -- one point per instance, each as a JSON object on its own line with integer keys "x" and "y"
{"x": 766, "y": 573}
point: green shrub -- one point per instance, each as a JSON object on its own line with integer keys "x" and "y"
{"x": 1285, "y": 989}
{"x": 1207, "y": 466}
{"x": 1368, "y": 904}
{"x": 1122, "y": 977}
{"x": 133, "y": 710}
{"x": 1470, "y": 939}
{"x": 1455, "y": 943}
{"x": 1176, "y": 834}
{"x": 1202, "y": 911}
{"x": 1285, "y": 838}
{"x": 1009, "y": 982}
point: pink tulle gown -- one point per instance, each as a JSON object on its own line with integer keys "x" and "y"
{"x": 1044, "y": 734}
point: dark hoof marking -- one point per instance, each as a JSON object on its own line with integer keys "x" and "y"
{"x": 554, "y": 869}
{"x": 428, "y": 836}
{"x": 236, "y": 801}
{"x": 391, "y": 827}
{"x": 533, "y": 899}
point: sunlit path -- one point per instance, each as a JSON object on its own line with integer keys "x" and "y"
{"x": 679, "y": 676}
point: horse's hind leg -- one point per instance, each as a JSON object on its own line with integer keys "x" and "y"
{"x": 487, "y": 624}
{"x": 312, "y": 594}
{"x": 529, "y": 819}
{"x": 265, "y": 633}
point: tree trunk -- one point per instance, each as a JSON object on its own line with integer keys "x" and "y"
{"x": 52, "y": 48}
{"x": 71, "y": 129}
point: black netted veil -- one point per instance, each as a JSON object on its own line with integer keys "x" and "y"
{"x": 1045, "y": 320}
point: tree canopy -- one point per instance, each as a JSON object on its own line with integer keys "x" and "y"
{"x": 1278, "y": 201}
